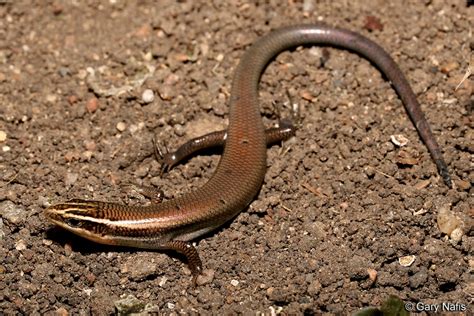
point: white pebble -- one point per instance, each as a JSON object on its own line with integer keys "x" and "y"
{"x": 456, "y": 234}
{"x": 148, "y": 96}
{"x": 399, "y": 140}
{"x": 20, "y": 245}
{"x": 121, "y": 126}
{"x": 406, "y": 261}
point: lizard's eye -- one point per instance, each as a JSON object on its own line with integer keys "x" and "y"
{"x": 74, "y": 223}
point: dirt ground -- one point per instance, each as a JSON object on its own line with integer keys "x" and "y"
{"x": 342, "y": 209}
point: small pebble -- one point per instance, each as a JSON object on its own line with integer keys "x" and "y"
{"x": 166, "y": 93}
{"x": 456, "y": 234}
{"x": 305, "y": 94}
{"x": 373, "y": 23}
{"x": 205, "y": 277}
{"x": 204, "y": 47}
{"x": 372, "y": 274}
{"x": 20, "y": 245}
{"x": 121, "y": 126}
{"x": 92, "y": 105}
{"x": 308, "y": 6}
{"x": 143, "y": 31}
{"x": 461, "y": 184}
{"x": 72, "y": 99}
{"x": 47, "y": 242}
{"x": 71, "y": 178}
{"x": 163, "y": 281}
{"x": 90, "y": 145}
{"x": 181, "y": 57}
{"x": 64, "y": 71}
{"x": 125, "y": 306}
{"x": 62, "y": 312}
{"x": 234, "y": 282}
{"x": 406, "y": 261}
{"x": 3, "y": 136}
{"x": 314, "y": 288}
{"x": 12, "y": 212}
{"x": 51, "y": 98}
{"x": 67, "y": 249}
{"x": 270, "y": 291}
{"x": 140, "y": 266}
{"x": 133, "y": 128}
{"x": 82, "y": 73}
{"x": 419, "y": 278}
{"x": 179, "y": 130}
{"x": 141, "y": 171}
{"x": 220, "y": 57}
{"x": 171, "y": 80}
{"x": 70, "y": 156}
{"x": 148, "y": 56}
{"x": 57, "y": 10}
{"x": 447, "y": 221}
{"x": 148, "y": 96}
{"x": 87, "y": 155}
{"x": 449, "y": 67}
{"x": 399, "y": 140}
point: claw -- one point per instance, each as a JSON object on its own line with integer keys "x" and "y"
{"x": 162, "y": 154}
{"x": 165, "y": 166}
{"x": 160, "y": 149}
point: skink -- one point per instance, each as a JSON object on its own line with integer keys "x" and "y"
{"x": 241, "y": 169}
